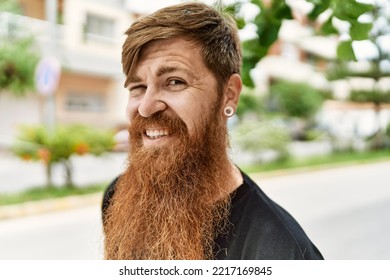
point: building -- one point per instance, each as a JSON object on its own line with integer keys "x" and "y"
{"x": 86, "y": 40}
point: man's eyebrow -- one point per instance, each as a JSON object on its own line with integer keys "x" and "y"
{"x": 166, "y": 69}
{"x": 134, "y": 79}
{"x": 162, "y": 70}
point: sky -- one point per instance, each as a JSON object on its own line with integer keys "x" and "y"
{"x": 149, "y": 6}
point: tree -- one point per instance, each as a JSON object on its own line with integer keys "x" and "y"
{"x": 377, "y": 23}
{"x": 17, "y": 66}
{"x": 58, "y": 146}
{"x": 268, "y": 22}
{"x": 352, "y": 21}
{"x": 272, "y": 13}
{"x": 18, "y": 56}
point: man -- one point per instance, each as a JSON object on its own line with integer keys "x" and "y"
{"x": 181, "y": 197}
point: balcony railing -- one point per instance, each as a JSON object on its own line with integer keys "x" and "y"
{"x": 14, "y": 26}
{"x": 82, "y": 59}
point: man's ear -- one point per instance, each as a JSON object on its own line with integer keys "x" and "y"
{"x": 232, "y": 91}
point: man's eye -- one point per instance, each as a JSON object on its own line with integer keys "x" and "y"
{"x": 137, "y": 90}
{"x": 176, "y": 82}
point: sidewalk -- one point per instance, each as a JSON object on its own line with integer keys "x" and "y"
{"x": 48, "y": 205}
{"x": 17, "y": 175}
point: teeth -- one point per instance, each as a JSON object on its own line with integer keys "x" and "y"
{"x": 154, "y": 133}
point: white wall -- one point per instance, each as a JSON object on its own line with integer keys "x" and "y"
{"x": 15, "y": 111}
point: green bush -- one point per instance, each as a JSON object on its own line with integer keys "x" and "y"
{"x": 388, "y": 130}
{"x": 11, "y": 6}
{"x": 313, "y": 134}
{"x": 370, "y": 96}
{"x": 248, "y": 103}
{"x": 57, "y": 146}
{"x": 295, "y": 99}
{"x": 258, "y": 137}
{"x": 18, "y": 60}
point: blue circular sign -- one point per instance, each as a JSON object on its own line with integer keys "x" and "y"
{"x": 47, "y": 75}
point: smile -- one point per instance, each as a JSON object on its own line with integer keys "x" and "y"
{"x": 156, "y": 133}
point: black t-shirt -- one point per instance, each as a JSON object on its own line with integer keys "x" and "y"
{"x": 260, "y": 229}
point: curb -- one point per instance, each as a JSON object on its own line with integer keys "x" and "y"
{"x": 315, "y": 168}
{"x": 49, "y": 205}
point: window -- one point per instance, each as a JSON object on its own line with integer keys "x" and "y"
{"x": 85, "y": 102}
{"x": 101, "y": 26}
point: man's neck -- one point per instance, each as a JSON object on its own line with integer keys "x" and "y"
{"x": 235, "y": 180}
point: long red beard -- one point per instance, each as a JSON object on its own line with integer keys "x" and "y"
{"x": 171, "y": 202}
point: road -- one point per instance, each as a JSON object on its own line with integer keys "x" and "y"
{"x": 66, "y": 235}
{"x": 345, "y": 211}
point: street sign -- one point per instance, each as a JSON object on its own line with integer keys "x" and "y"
{"x": 47, "y": 75}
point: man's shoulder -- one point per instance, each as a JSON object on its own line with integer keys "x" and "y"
{"x": 265, "y": 228}
{"x": 250, "y": 198}
{"x": 108, "y": 194}
{"x": 254, "y": 200}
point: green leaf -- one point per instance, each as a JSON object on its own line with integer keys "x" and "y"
{"x": 252, "y": 53}
{"x": 345, "y": 51}
{"x": 251, "y": 49}
{"x": 247, "y": 66}
{"x": 350, "y": 10}
{"x": 258, "y": 3}
{"x": 267, "y": 29}
{"x": 360, "y": 31}
{"x": 320, "y": 6}
{"x": 240, "y": 22}
{"x": 327, "y": 28}
{"x": 233, "y": 10}
{"x": 356, "y": 9}
{"x": 280, "y": 10}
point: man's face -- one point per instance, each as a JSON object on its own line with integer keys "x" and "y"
{"x": 170, "y": 78}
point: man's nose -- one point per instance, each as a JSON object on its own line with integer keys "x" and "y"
{"x": 151, "y": 103}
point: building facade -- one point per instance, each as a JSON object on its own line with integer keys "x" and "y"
{"x": 86, "y": 39}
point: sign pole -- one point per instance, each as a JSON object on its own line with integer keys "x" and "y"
{"x": 51, "y": 70}
{"x": 47, "y": 75}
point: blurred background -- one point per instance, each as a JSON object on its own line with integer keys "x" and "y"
{"x": 312, "y": 126}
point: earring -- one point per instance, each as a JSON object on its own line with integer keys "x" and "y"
{"x": 228, "y": 111}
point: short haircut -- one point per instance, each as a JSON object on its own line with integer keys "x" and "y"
{"x": 215, "y": 32}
